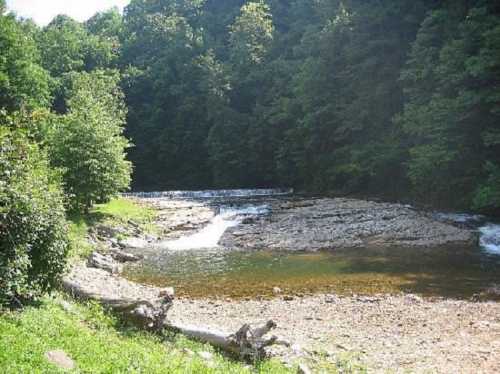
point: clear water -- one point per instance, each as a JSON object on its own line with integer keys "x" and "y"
{"x": 450, "y": 272}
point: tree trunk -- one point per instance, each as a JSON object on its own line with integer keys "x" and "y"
{"x": 248, "y": 343}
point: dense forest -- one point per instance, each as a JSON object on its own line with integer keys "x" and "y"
{"x": 397, "y": 99}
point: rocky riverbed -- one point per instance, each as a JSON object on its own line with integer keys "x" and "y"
{"x": 402, "y": 333}
{"x": 314, "y": 224}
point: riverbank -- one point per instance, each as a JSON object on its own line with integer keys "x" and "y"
{"x": 403, "y": 333}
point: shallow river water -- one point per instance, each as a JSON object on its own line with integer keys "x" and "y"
{"x": 197, "y": 267}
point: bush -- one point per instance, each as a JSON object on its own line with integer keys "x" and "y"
{"x": 33, "y": 230}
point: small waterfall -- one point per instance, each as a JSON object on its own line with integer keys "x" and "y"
{"x": 209, "y": 236}
{"x": 489, "y": 238}
{"x": 211, "y": 193}
{"x": 489, "y": 233}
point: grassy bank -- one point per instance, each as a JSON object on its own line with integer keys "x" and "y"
{"x": 118, "y": 212}
{"x": 98, "y": 344}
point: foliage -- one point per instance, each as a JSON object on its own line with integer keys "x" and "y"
{"x": 395, "y": 99}
{"x": 66, "y": 46}
{"x": 87, "y": 143}
{"x": 251, "y": 33}
{"x": 452, "y": 114}
{"x": 23, "y": 82}
{"x": 33, "y": 236}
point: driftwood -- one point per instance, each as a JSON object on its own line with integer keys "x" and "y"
{"x": 248, "y": 343}
{"x": 149, "y": 315}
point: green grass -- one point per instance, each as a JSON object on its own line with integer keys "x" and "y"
{"x": 118, "y": 212}
{"x": 126, "y": 210}
{"x": 98, "y": 344}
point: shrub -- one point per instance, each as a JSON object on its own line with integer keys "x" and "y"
{"x": 33, "y": 230}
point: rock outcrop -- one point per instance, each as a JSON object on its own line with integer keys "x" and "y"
{"x": 330, "y": 223}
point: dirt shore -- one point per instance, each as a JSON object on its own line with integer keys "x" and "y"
{"x": 386, "y": 333}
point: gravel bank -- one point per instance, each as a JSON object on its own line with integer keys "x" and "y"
{"x": 388, "y": 333}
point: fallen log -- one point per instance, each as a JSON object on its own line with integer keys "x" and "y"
{"x": 145, "y": 314}
{"x": 247, "y": 343}
{"x": 150, "y": 313}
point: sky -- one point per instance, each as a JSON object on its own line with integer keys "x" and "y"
{"x": 43, "y": 11}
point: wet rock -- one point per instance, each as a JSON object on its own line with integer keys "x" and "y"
{"x": 60, "y": 359}
{"x": 133, "y": 243}
{"x": 122, "y": 256}
{"x": 103, "y": 262}
{"x": 288, "y": 298}
{"x": 248, "y": 220}
{"x": 315, "y": 224}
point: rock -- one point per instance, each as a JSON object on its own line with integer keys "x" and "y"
{"x": 288, "y": 298}
{"x": 108, "y": 231}
{"x": 167, "y": 292}
{"x": 332, "y": 223}
{"x": 303, "y": 369}
{"x": 276, "y": 290}
{"x": 206, "y": 355}
{"x": 248, "y": 220}
{"x": 133, "y": 243}
{"x": 103, "y": 262}
{"x": 122, "y": 256}
{"x": 331, "y": 299}
{"x": 60, "y": 359}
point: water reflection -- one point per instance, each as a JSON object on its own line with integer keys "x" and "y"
{"x": 451, "y": 272}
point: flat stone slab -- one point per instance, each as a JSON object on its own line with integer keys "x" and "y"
{"x": 330, "y": 223}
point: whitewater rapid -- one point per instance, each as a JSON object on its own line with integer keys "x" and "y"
{"x": 210, "y": 235}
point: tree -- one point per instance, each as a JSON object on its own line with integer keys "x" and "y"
{"x": 23, "y": 82}
{"x": 451, "y": 82}
{"x": 33, "y": 231}
{"x": 87, "y": 143}
{"x": 251, "y": 34}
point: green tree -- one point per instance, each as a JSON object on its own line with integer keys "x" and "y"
{"x": 23, "y": 82}
{"x": 451, "y": 82}
{"x": 87, "y": 143}
{"x": 251, "y": 33}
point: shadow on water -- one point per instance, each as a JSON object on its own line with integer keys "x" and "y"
{"x": 447, "y": 272}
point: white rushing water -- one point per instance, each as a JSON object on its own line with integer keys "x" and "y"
{"x": 489, "y": 233}
{"x": 210, "y": 235}
{"x": 212, "y": 193}
{"x": 489, "y": 238}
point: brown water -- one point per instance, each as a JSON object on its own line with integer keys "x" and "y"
{"x": 447, "y": 272}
